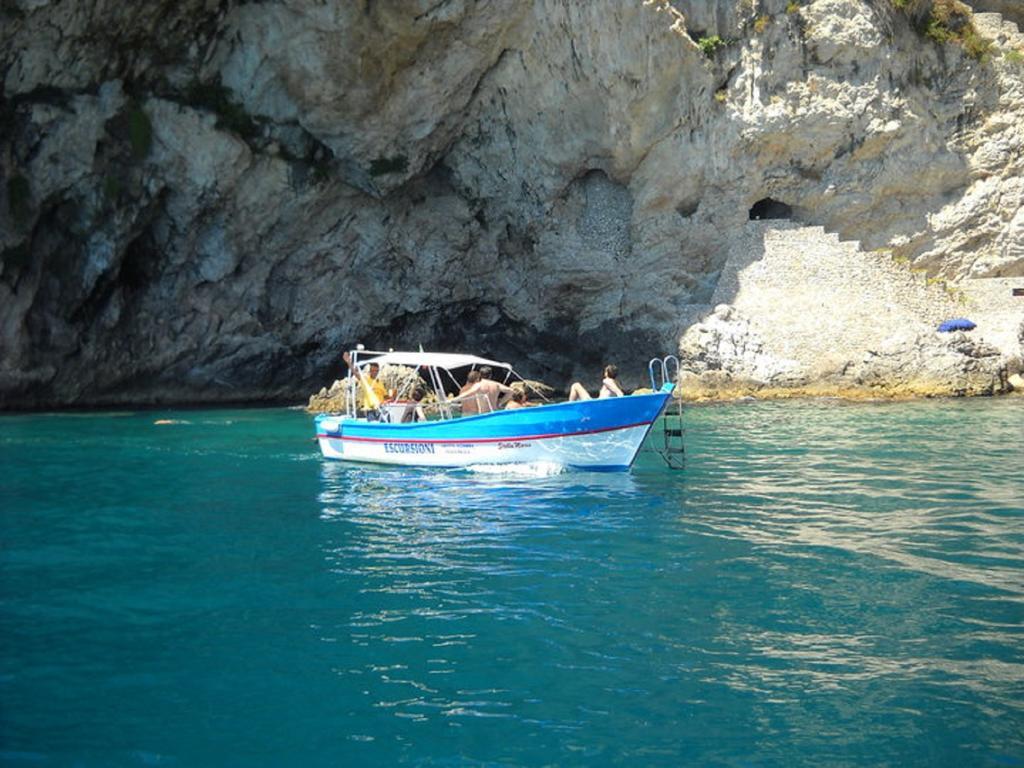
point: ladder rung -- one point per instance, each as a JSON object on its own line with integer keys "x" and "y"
{"x": 670, "y": 432}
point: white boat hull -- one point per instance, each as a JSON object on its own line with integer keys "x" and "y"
{"x": 590, "y": 434}
{"x": 610, "y": 449}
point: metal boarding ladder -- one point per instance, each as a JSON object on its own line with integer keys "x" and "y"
{"x": 673, "y": 448}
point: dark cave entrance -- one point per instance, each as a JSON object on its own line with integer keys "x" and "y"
{"x": 767, "y": 208}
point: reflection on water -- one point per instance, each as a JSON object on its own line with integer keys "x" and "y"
{"x": 807, "y": 552}
{"x": 438, "y": 552}
{"x": 461, "y": 503}
{"x": 874, "y": 483}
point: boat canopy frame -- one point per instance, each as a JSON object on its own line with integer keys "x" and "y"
{"x": 434, "y": 362}
{"x": 445, "y": 360}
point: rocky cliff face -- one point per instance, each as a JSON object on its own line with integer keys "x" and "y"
{"x": 206, "y": 200}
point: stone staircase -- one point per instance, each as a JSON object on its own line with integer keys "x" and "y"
{"x": 815, "y": 298}
{"x": 818, "y": 300}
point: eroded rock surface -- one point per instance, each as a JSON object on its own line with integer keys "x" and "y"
{"x": 930, "y": 363}
{"x": 206, "y": 200}
{"x": 908, "y": 363}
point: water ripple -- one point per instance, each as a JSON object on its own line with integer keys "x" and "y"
{"x": 857, "y": 547}
{"x": 822, "y": 584}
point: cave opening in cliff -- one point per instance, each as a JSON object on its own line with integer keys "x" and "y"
{"x": 767, "y": 208}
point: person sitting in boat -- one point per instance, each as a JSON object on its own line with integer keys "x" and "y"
{"x": 609, "y": 386}
{"x": 518, "y": 400}
{"x": 372, "y": 392}
{"x": 481, "y": 394}
{"x": 414, "y": 411}
{"x": 470, "y": 405}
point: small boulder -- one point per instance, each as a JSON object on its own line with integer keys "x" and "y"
{"x": 922, "y": 364}
{"x": 725, "y": 345}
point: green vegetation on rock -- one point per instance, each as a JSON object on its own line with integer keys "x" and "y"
{"x": 111, "y": 188}
{"x": 140, "y": 132}
{"x": 19, "y": 198}
{"x": 231, "y": 115}
{"x": 709, "y": 45}
{"x": 321, "y": 170}
{"x": 11, "y": 10}
{"x": 947, "y": 21}
{"x": 16, "y": 258}
{"x": 385, "y": 165}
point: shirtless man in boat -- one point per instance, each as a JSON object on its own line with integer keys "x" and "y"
{"x": 470, "y": 405}
{"x": 481, "y": 393}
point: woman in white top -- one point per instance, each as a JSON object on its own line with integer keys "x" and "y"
{"x": 609, "y": 386}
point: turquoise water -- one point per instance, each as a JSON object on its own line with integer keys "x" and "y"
{"x": 824, "y": 584}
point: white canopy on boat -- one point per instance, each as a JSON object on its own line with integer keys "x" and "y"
{"x": 446, "y": 360}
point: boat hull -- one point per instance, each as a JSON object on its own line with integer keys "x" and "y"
{"x": 590, "y": 434}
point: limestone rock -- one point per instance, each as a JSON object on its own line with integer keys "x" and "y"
{"x": 205, "y": 201}
{"x": 907, "y": 364}
{"x": 841, "y": 32}
{"x": 726, "y": 343}
{"x": 1011, "y": 10}
{"x": 328, "y": 400}
{"x": 913, "y": 364}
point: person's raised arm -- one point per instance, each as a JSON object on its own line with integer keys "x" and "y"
{"x": 346, "y": 356}
{"x": 505, "y": 393}
{"x": 465, "y": 393}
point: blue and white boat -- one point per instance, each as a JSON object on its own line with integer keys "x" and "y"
{"x": 598, "y": 434}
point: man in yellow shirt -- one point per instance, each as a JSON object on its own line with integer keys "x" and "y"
{"x": 372, "y": 392}
{"x": 371, "y": 389}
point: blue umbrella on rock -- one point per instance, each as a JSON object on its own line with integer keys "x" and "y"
{"x": 957, "y": 324}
